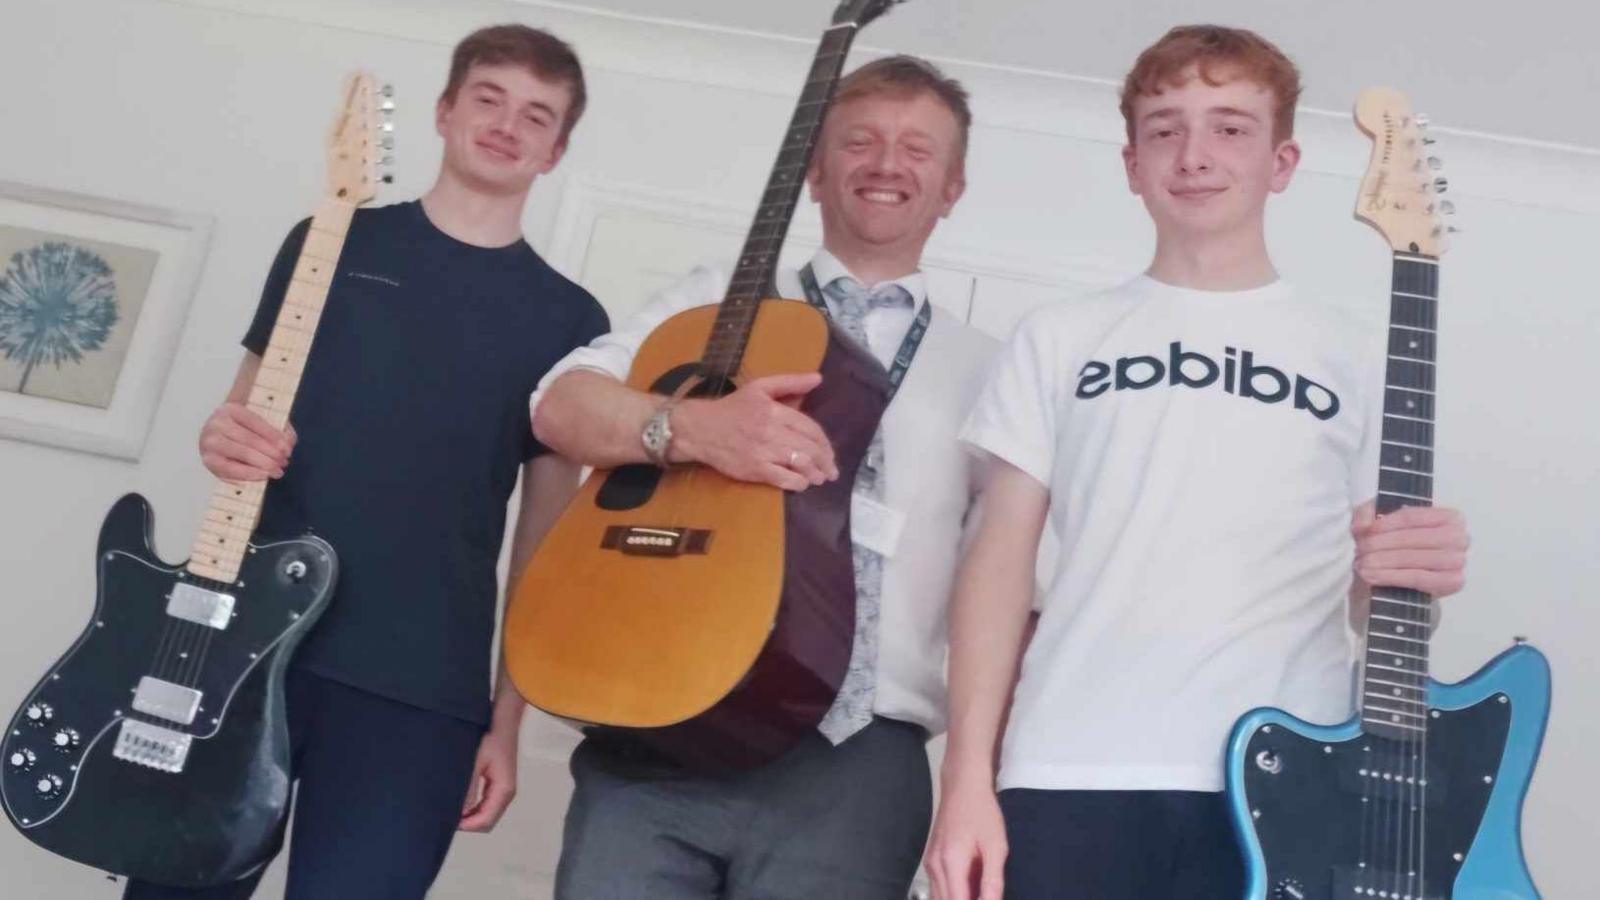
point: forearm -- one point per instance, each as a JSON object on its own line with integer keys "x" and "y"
{"x": 548, "y": 483}
{"x": 988, "y": 622}
{"x": 592, "y": 418}
{"x": 509, "y": 706}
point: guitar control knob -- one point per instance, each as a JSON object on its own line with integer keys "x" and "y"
{"x": 48, "y": 786}
{"x": 66, "y": 740}
{"x": 39, "y": 714}
{"x": 1289, "y": 889}
{"x": 21, "y": 760}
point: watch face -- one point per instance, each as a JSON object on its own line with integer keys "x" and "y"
{"x": 657, "y": 433}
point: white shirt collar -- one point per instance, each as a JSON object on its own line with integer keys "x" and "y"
{"x": 828, "y": 267}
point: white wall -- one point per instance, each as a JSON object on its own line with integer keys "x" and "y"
{"x": 212, "y": 106}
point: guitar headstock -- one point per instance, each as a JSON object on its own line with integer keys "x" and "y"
{"x": 1401, "y": 191}
{"x": 360, "y": 147}
{"x": 861, "y": 12}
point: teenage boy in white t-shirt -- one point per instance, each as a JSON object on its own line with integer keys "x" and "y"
{"x": 1200, "y": 438}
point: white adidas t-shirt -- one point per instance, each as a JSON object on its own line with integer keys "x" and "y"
{"x": 1203, "y": 453}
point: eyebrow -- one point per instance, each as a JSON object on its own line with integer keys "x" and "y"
{"x": 1233, "y": 111}
{"x": 1172, "y": 112}
{"x": 497, "y": 89}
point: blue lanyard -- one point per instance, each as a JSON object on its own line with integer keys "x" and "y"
{"x": 908, "y": 345}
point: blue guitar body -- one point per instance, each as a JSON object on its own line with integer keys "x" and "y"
{"x": 1321, "y": 812}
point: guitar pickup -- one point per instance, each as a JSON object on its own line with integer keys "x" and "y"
{"x": 643, "y": 540}
{"x": 166, "y": 700}
{"x": 200, "y": 606}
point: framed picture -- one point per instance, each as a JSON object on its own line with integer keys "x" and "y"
{"x": 93, "y": 296}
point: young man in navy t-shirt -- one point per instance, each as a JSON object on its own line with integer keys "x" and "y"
{"x": 408, "y": 435}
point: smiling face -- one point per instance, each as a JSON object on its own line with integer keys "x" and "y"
{"x": 1204, "y": 158}
{"x": 887, "y": 168}
{"x": 503, "y": 128}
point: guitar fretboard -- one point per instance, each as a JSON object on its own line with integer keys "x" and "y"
{"x": 758, "y": 261}
{"x": 230, "y": 518}
{"x": 1394, "y": 690}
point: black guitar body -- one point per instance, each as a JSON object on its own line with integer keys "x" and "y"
{"x": 100, "y": 765}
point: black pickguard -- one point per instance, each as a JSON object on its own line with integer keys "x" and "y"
{"x": 1313, "y": 824}
{"x": 220, "y": 818}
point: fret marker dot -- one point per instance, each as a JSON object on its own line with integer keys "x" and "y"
{"x": 1407, "y": 457}
{"x": 1411, "y": 404}
{"x": 1397, "y": 661}
{"x": 1413, "y": 345}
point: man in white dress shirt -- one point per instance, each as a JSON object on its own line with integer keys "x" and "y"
{"x": 845, "y": 813}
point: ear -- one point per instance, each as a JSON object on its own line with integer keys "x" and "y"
{"x": 1284, "y": 163}
{"x": 440, "y": 111}
{"x": 955, "y": 184}
{"x": 1130, "y": 165}
{"x": 556, "y": 154}
{"x": 814, "y": 180}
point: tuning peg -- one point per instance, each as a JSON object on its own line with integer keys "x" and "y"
{"x": 1440, "y": 185}
{"x": 1446, "y": 207}
{"x": 386, "y": 178}
{"x": 388, "y": 143}
{"x": 1421, "y": 119}
{"x": 387, "y": 106}
{"x": 388, "y": 128}
{"x": 1435, "y": 163}
{"x": 387, "y": 90}
{"x": 386, "y": 161}
{"x": 1429, "y": 140}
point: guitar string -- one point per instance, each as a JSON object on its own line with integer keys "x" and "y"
{"x": 1430, "y": 276}
{"x": 1409, "y": 794}
{"x": 826, "y": 67}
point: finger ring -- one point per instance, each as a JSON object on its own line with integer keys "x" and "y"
{"x": 794, "y": 457}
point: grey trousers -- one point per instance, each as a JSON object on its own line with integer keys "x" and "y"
{"x": 841, "y": 823}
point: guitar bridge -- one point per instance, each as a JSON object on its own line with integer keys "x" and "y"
{"x": 152, "y": 746}
{"x": 643, "y": 540}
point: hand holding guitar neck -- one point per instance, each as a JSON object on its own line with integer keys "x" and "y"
{"x": 238, "y": 445}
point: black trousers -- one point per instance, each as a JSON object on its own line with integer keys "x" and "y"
{"x": 380, "y": 789}
{"x": 1120, "y": 845}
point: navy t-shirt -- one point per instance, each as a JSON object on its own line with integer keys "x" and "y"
{"x": 413, "y": 424}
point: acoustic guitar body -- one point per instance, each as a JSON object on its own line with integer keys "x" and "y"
{"x": 711, "y": 618}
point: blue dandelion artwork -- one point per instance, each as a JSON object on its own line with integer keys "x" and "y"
{"x": 58, "y": 301}
{"x": 67, "y": 307}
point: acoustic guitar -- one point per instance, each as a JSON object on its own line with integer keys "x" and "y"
{"x": 713, "y": 618}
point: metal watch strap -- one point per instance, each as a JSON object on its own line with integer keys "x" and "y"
{"x": 660, "y": 422}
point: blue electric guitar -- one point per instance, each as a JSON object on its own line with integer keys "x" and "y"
{"x": 1419, "y": 797}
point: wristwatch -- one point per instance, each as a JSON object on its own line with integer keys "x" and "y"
{"x": 657, "y": 434}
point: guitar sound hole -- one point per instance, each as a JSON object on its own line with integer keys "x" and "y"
{"x": 632, "y": 486}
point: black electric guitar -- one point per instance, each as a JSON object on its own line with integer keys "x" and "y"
{"x": 1419, "y": 797}
{"x": 157, "y": 746}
